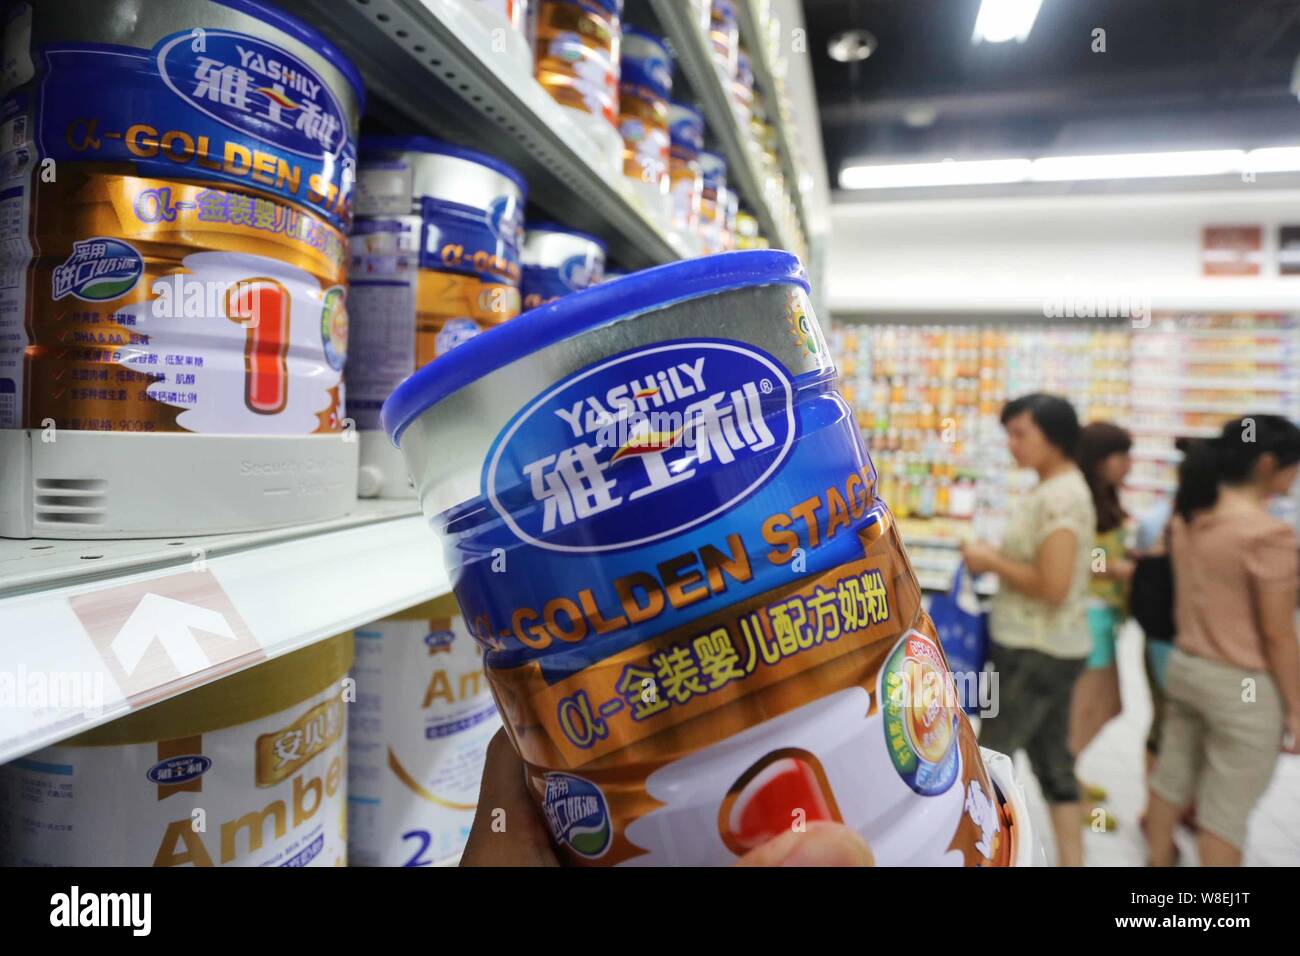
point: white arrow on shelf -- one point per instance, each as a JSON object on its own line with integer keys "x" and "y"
{"x": 169, "y": 622}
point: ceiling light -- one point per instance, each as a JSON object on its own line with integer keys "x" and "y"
{"x": 851, "y": 46}
{"x": 1203, "y": 162}
{"x": 1001, "y": 20}
{"x": 947, "y": 173}
{"x": 1275, "y": 159}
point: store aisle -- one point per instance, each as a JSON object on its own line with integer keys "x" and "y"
{"x": 1114, "y": 761}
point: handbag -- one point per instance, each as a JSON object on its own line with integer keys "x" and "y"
{"x": 963, "y": 631}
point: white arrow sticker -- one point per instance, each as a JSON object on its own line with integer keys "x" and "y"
{"x": 169, "y": 622}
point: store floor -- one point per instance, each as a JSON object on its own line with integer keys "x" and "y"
{"x": 1115, "y": 761}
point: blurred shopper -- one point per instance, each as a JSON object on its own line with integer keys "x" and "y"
{"x": 1039, "y": 624}
{"x": 1233, "y": 679}
{"x": 1103, "y": 456}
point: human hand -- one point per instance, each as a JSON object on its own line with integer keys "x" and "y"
{"x": 1291, "y": 734}
{"x": 522, "y": 838}
{"x": 978, "y": 556}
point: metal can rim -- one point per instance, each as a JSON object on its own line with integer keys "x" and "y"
{"x": 373, "y": 145}
{"x": 644, "y": 291}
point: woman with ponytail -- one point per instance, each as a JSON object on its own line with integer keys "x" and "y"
{"x": 1233, "y": 677}
{"x": 1039, "y": 623}
{"x": 1104, "y": 459}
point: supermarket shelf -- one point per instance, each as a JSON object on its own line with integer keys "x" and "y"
{"x": 92, "y": 630}
{"x": 1224, "y": 408}
{"x": 695, "y": 58}
{"x": 940, "y": 583}
{"x": 1217, "y": 357}
{"x": 1175, "y": 431}
{"x": 1228, "y": 333}
{"x": 1171, "y": 455}
{"x": 758, "y": 42}
{"x": 1245, "y": 384}
{"x": 417, "y": 53}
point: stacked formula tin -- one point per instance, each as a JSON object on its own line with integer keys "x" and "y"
{"x": 176, "y": 196}
{"x": 435, "y": 261}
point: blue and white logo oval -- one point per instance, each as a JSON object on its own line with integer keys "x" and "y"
{"x": 176, "y": 770}
{"x": 643, "y": 446}
{"x": 579, "y": 272}
{"x": 255, "y": 88}
{"x": 577, "y": 814}
{"x": 505, "y": 218}
{"x": 98, "y": 270}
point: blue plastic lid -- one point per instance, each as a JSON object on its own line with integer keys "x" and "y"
{"x": 372, "y": 143}
{"x": 305, "y": 34}
{"x": 642, "y": 291}
{"x": 556, "y": 227}
{"x": 629, "y": 31}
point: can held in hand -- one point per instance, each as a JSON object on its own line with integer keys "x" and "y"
{"x": 435, "y": 259}
{"x": 417, "y": 738}
{"x": 559, "y": 261}
{"x": 699, "y": 621}
{"x": 259, "y": 758}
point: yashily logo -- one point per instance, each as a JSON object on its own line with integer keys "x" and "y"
{"x": 103, "y": 909}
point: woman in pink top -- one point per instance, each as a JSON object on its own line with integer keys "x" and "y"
{"x": 1233, "y": 678}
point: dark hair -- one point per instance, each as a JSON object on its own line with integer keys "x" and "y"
{"x": 1054, "y": 416}
{"x": 1097, "y": 442}
{"x": 1230, "y": 459}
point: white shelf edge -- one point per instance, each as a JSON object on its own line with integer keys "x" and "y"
{"x": 277, "y": 592}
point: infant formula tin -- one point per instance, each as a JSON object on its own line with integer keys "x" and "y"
{"x": 713, "y": 200}
{"x": 724, "y": 36}
{"x": 435, "y": 260}
{"x": 558, "y": 261}
{"x": 729, "y": 222}
{"x": 742, "y": 87}
{"x": 577, "y": 55}
{"x": 686, "y": 177}
{"x": 699, "y": 621}
{"x": 748, "y": 235}
{"x": 248, "y": 771}
{"x": 645, "y": 85}
{"x": 417, "y": 738}
{"x": 176, "y": 190}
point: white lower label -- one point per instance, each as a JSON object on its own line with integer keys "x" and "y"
{"x": 271, "y": 792}
{"x": 419, "y": 734}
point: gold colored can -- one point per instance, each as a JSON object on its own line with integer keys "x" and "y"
{"x": 577, "y": 54}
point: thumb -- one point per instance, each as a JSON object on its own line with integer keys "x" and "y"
{"x": 821, "y": 844}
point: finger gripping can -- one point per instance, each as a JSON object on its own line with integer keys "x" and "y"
{"x": 699, "y": 621}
